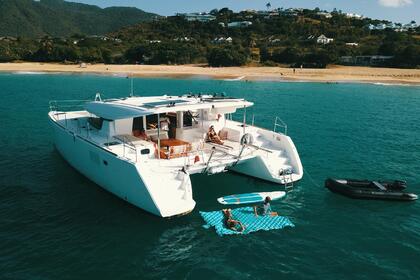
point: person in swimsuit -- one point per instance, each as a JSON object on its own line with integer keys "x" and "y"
{"x": 142, "y": 135}
{"x": 231, "y": 223}
{"x": 213, "y": 137}
{"x": 265, "y": 208}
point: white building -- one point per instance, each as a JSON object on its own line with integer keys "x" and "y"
{"x": 239, "y": 24}
{"x": 355, "y": 16}
{"x": 395, "y": 26}
{"x": 324, "y": 14}
{"x": 182, "y": 39}
{"x": 222, "y": 40}
{"x": 202, "y": 17}
{"x": 324, "y": 40}
{"x": 352, "y": 44}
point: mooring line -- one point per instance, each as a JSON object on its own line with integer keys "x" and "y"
{"x": 312, "y": 179}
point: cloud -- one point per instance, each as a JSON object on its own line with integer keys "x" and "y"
{"x": 395, "y": 3}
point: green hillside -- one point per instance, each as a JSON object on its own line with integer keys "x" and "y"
{"x": 293, "y": 37}
{"x": 58, "y": 18}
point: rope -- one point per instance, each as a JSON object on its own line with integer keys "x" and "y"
{"x": 311, "y": 179}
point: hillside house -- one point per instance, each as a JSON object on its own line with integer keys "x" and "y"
{"x": 324, "y": 14}
{"x": 222, "y": 40}
{"x": 201, "y": 17}
{"x": 355, "y": 16}
{"x": 239, "y": 24}
{"x": 324, "y": 40}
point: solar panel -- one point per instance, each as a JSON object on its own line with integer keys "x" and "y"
{"x": 168, "y": 103}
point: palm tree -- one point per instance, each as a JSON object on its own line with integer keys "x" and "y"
{"x": 268, "y": 5}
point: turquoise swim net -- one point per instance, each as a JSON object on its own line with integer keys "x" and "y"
{"x": 247, "y": 217}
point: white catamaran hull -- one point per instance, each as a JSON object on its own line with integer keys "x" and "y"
{"x": 113, "y": 174}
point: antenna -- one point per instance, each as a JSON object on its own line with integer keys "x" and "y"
{"x": 131, "y": 86}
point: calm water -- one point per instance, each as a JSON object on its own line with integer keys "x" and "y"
{"x": 56, "y": 224}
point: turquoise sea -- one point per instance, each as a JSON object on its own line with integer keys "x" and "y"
{"x": 56, "y": 224}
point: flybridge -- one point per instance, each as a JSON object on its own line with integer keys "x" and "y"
{"x": 140, "y": 106}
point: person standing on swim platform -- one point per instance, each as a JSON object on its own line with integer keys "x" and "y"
{"x": 265, "y": 208}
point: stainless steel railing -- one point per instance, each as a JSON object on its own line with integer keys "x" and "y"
{"x": 127, "y": 144}
{"x": 68, "y": 105}
{"x": 280, "y": 123}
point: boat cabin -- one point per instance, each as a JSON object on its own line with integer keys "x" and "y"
{"x": 172, "y": 126}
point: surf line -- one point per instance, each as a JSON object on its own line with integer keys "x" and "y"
{"x": 235, "y": 79}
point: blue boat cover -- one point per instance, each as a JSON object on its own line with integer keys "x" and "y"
{"x": 247, "y": 217}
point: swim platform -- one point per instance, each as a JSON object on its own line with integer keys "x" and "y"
{"x": 247, "y": 217}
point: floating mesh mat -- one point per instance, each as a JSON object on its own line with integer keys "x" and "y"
{"x": 247, "y": 217}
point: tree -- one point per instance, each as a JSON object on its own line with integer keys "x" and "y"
{"x": 214, "y": 12}
{"x": 268, "y": 5}
{"x": 409, "y": 57}
{"x": 227, "y": 56}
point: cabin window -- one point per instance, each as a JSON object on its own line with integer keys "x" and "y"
{"x": 138, "y": 124}
{"x": 96, "y": 122}
{"x": 188, "y": 119}
{"x": 152, "y": 121}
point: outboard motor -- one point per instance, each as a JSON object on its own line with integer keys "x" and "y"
{"x": 399, "y": 185}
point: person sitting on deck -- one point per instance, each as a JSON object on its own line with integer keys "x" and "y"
{"x": 213, "y": 137}
{"x": 265, "y": 209}
{"x": 141, "y": 134}
{"x": 231, "y": 223}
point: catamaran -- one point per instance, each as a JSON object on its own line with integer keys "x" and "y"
{"x": 144, "y": 149}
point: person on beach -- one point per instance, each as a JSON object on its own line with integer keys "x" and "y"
{"x": 265, "y": 208}
{"x": 231, "y": 223}
{"x": 213, "y": 137}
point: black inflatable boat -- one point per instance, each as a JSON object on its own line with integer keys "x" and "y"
{"x": 370, "y": 189}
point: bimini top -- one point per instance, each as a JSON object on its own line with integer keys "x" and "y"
{"x": 130, "y": 107}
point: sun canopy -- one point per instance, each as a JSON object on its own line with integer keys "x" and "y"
{"x": 113, "y": 111}
{"x": 141, "y": 106}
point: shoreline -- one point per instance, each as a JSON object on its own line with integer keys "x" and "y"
{"x": 332, "y": 74}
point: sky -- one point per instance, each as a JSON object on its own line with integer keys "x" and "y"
{"x": 395, "y": 10}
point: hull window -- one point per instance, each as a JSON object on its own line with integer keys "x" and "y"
{"x": 145, "y": 151}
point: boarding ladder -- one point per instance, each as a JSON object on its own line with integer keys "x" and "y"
{"x": 287, "y": 177}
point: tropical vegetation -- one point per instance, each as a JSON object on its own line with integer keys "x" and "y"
{"x": 286, "y": 37}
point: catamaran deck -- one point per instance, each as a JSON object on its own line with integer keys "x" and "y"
{"x": 208, "y": 157}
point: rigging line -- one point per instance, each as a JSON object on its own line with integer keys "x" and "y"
{"x": 311, "y": 179}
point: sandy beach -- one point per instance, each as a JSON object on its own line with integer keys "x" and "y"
{"x": 331, "y": 74}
